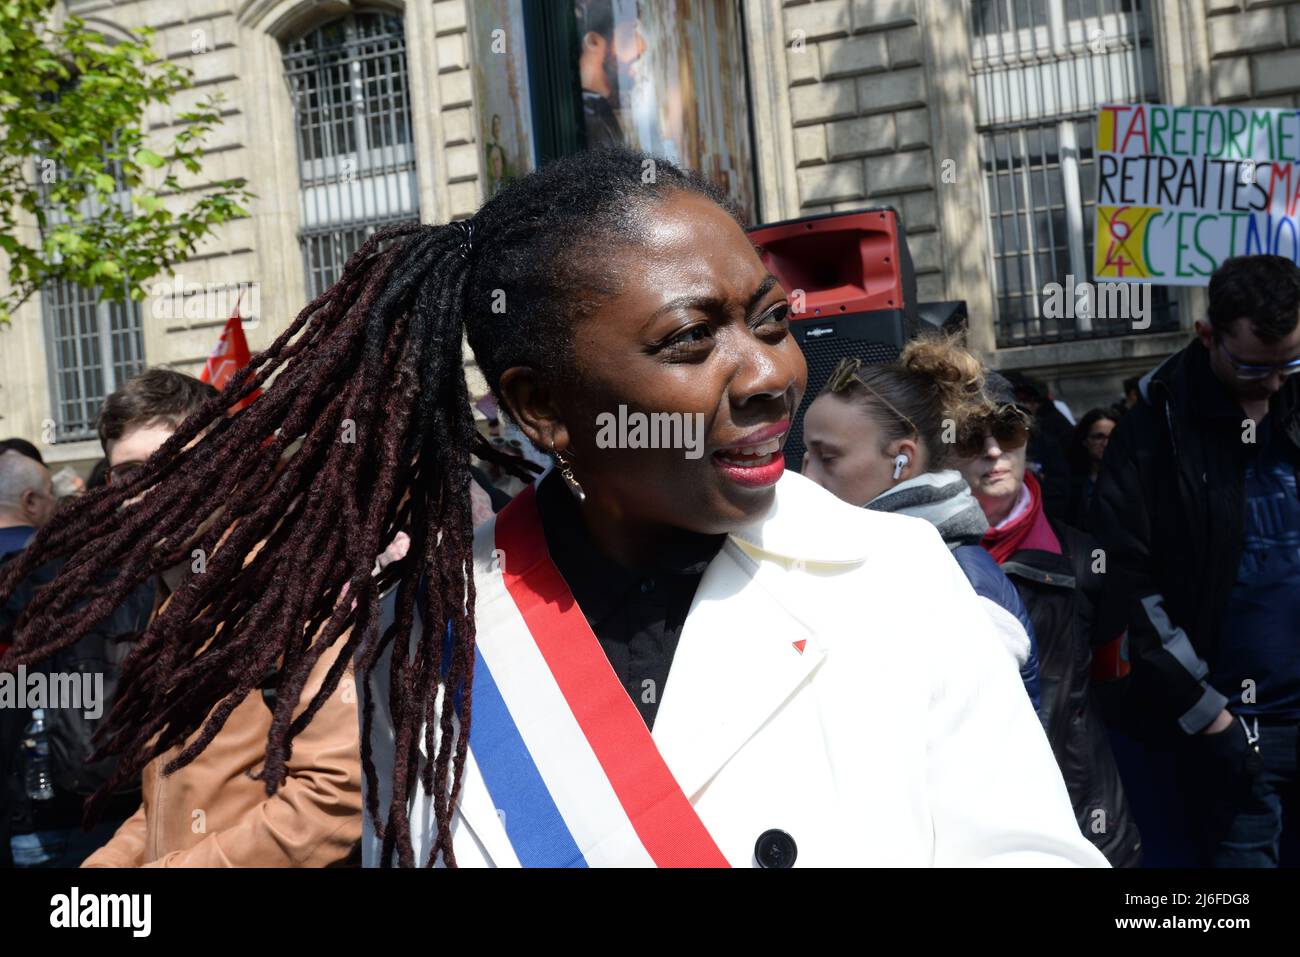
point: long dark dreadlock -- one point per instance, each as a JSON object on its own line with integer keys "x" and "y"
{"x": 363, "y": 429}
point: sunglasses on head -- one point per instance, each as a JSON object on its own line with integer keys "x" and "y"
{"x": 846, "y": 375}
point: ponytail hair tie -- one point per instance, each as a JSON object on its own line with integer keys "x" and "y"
{"x": 466, "y": 227}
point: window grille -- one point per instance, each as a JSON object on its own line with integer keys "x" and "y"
{"x": 92, "y": 345}
{"x": 356, "y": 158}
{"x": 1040, "y": 69}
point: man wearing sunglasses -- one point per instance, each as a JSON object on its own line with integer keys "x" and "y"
{"x": 1197, "y": 508}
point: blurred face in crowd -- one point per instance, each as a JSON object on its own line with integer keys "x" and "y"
{"x": 137, "y": 443}
{"x": 694, "y": 326}
{"x": 995, "y": 478}
{"x": 1233, "y": 354}
{"x": 846, "y": 450}
{"x": 31, "y": 498}
{"x": 1097, "y": 438}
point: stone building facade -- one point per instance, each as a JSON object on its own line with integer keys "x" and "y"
{"x": 852, "y": 103}
{"x": 885, "y": 91}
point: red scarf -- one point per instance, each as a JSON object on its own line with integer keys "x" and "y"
{"x": 1030, "y": 530}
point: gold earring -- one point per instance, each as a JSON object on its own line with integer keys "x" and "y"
{"x": 566, "y": 472}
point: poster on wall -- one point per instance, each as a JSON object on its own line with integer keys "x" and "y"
{"x": 668, "y": 77}
{"x": 500, "y": 67}
{"x": 1181, "y": 189}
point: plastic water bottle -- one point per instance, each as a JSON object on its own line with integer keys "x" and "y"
{"x": 36, "y": 759}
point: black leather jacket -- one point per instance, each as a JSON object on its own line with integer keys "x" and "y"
{"x": 1061, "y": 593}
{"x": 1169, "y": 510}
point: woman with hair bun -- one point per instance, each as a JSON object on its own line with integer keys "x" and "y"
{"x": 885, "y": 436}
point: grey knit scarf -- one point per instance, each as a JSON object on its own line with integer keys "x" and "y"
{"x": 941, "y": 498}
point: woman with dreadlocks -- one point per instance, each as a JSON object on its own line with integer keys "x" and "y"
{"x": 666, "y": 652}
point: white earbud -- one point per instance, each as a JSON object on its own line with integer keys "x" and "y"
{"x": 900, "y": 463}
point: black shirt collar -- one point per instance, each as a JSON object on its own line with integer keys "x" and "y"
{"x": 599, "y": 583}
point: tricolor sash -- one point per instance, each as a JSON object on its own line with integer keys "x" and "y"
{"x": 566, "y": 757}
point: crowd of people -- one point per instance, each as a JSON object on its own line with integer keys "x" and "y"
{"x": 1081, "y": 653}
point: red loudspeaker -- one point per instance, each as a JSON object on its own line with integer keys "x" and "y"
{"x": 844, "y": 262}
{"x": 859, "y": 293}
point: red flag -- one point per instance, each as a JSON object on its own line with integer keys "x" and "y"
{"x": 230, "y": 355}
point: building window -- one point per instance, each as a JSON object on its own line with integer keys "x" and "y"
{"x": 669, "y": 78}
{"x": 356, "y": 159}
{"x": 92, "y": 345}
{"x": 95, "y": 346}
{"x": 1040, "y": 70}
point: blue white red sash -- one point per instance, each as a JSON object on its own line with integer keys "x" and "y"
{"x": 566, "y": 757}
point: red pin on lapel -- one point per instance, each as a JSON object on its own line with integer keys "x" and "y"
{"x": 798, "y": 645}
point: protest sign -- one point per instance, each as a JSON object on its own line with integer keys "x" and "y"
{"x": 1181, "y": 189}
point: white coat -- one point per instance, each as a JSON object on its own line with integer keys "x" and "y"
{"x": 901, "y": 735}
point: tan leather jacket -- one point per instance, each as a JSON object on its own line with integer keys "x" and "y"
{"x": 212, "y": 814}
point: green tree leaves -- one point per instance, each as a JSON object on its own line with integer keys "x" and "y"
{"x": 73, "y": 144}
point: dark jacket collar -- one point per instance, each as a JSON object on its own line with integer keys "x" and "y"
{"x": 1193, "y": 389}
{"x": 1062, "y": 570}
{"x": 1197, "y": 389}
